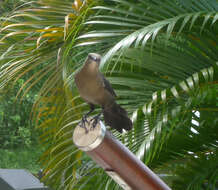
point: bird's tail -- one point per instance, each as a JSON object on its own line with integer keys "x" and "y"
{"x": 116, "y": 117}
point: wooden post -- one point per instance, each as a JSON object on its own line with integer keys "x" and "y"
{"x": 117, "y": 161}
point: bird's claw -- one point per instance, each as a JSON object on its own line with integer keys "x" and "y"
{"x": 95, "y": 121}
{"x": 82, "y": 124}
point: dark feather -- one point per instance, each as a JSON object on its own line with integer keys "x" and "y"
{"x": 116, "y": 117}
{"x": 108, "y": 86}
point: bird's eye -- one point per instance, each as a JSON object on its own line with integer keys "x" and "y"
{"x": 94, "y": 58}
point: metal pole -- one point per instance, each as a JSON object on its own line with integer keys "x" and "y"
{"x": 117, "y": 161}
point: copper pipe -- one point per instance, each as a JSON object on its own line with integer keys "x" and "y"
{"x": 116, "y": 159}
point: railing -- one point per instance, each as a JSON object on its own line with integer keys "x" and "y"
{"x": 116, "y": 159}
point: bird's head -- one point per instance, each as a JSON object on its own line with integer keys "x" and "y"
{"x": 94, "y": 59}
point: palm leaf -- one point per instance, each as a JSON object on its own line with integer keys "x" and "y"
{"x": 160, "y": 57}
{"x": 140, "y": 25}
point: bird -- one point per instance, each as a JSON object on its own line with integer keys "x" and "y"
{"x": 96, "y": 90}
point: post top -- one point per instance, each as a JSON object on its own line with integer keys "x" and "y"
{"x": 92, "y": 139}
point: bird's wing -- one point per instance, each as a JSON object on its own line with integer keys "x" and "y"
{"x": 108, "y": 86}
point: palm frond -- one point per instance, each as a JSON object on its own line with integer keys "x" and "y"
{"x": 161, "y": 59}
{"x": 146, "y": 21}
{"x": 202, "y": 177}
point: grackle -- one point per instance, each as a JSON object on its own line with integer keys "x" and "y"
{"x": 96, "y": 90}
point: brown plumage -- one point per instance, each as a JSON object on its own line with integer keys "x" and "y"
{"x": 96, "y": 90}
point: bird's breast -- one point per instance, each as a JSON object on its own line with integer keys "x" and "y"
{"x": 91, "y": 88}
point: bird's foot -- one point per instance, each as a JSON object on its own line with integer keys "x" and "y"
{"x": 83, "y": 122}
{"x": 95, "y": 120}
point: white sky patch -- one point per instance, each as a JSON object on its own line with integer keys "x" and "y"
{"x": 189, "y": 152}
{"x": 194, "y": 122}
{"x": 194, "y": 131}
{"x": 197, "y": 113}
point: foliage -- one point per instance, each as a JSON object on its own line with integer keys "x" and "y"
{"x": 8, "y": 5}
{"x": 21, "y": 158}
{"x": 15, "y": 127}
{"x": 160, "y": 57}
